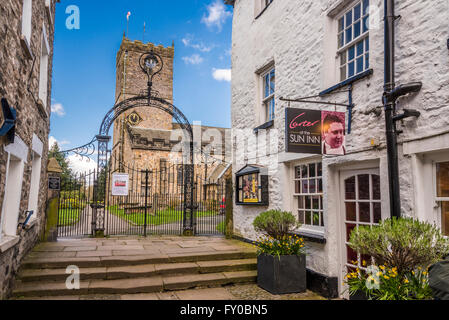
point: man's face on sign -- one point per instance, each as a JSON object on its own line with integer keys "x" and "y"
{"x": 335, "y": 135}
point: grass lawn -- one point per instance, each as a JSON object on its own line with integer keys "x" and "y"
{"x": 67, "y": 217}
{"x": 221, "y": 227}
{"x": 162, "y": 217}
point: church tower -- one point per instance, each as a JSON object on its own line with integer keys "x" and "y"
{"x": 131, "y": 81}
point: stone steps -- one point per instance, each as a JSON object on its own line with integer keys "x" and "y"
{"x": 140, "y": 271}
{"x": 151, "y": 284}
{"x": 41, "y": 262}
{"x": 42, "y": 276}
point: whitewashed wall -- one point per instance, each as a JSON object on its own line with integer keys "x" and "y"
{"x": 297, "y": 36}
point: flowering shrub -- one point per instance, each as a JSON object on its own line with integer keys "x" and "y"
{"x": 277, "y": 224}
{"x": 286, "y": 246}
{"x": 385, "y": 283}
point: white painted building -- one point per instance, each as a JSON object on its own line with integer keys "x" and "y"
{"x": 308, "y": 48}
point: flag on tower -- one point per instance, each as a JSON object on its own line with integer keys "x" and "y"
{"x": 127, "y": 16}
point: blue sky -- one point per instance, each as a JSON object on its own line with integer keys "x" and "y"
{"x": 84, "y": 60}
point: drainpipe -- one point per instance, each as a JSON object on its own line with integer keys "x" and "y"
{"x": 390, "y": 109}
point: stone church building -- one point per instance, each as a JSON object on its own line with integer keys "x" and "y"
{"x": 146, "y": 138}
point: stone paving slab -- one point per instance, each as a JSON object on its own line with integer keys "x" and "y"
{"x": 205, "y": 294}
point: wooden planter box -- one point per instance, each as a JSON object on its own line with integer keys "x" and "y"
{"x": 282, "y": 275}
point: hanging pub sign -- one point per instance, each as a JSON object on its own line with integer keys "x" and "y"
{"x": 120, "y": 184}
{"x": 252, "y": 186}
{"x": 315, "y": 132}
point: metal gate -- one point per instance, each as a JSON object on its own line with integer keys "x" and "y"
{"x": 154, "y": 204}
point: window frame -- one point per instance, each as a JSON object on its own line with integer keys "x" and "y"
{"x": 296, "y": 196}
{"x": 438, "y": 200}
{"x": 268, "y": 109}
{"x": 363, "y": 37}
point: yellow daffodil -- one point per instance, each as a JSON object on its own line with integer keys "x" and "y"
{"x": 406, "y": 281}
{"x": 386, "y": 277}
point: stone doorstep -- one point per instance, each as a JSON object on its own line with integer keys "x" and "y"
{"x": 138, "y": 285}
{"x": 123, "y": 272}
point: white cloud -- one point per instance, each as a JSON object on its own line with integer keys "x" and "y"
{"x": 81, "y": 164}
{"x": 189, "y": 41}
{"x": 222, "y": 74}
{"x": 193, "y": 59}
{"x": 216, "y": 15}
{"x": 58, "y": 109}
{"x": 52, "y": 140}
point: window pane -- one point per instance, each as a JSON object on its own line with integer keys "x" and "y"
{"x": 308, "y": 202}
{"x": 348, "y": 37}
{"x": 365, "y": 6}
{"x": 363, "y": 181}
{"x": 316, "y": 203}
{"x": 367, "y": 61}
{"x": 367, "y": 44}
{"x": 343, "y": 58}
{"x": 360, "y": 64}
{"x": 350, "y": 189}
{"x": 364, "y": 212}
{"x": 356, "y": 29}
{"x": 266, "y": 86}
{"x": 301, "y": 217}
{"x": 316, "y": 218}
{"x": 312, "y": 186}
{"x": 349, "y": 229}
{"x": 312, "y": 170}
{"x": 359, "y": 48}
{"x": 351, "y": 211}
{"x": 352, "y": 255}
{"x": 443, "y": 179}
{"x": 304, "y": 172}
{"x": 308, "y": 219}
{"x": 357, "y": 12}
{"x": 322, "y": 219}
{"x": 320, "y": 186}
{"x": 351, "y": 53}
{"x": 349, "y": 18}
{"x": 298, "y": 173}
{"x": 341, "y": 24}
{"x": 365, "y": 24}
{"x": 305, "y": 186}
{"x": 272, "y": 82}
{"x": 377, "y": 213}
{"x": 376, "y": 187}
{"x": 300, "y": 202}
{"x": 297, "y": 186}
{"x": 341, "y": 41}
{"x": 351, "y": 69}
{"x": 445, "y": 218}
{"x": 343, "y": 73}
{"x": 320, "y": 170}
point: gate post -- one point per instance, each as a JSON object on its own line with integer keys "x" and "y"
{"x": 98, "y": 216}
{"x": 229, "y": 230}
{"x": 54, "y": 171}
{"x": 146, "y": 203}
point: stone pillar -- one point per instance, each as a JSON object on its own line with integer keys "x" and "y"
{"x": 54, "y": 188}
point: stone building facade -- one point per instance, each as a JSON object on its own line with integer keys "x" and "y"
{"x": 148, "y": 138}
{"x": 26, "y": 53}
{"x": 320, "y": 49}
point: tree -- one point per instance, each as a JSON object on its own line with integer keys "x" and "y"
{"x": 61, "y": 158}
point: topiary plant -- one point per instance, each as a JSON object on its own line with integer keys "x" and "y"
{"x": 275, "y": 223}
{"x": 403, "y": 243}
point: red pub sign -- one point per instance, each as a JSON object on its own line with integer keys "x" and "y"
{"x": 315, "y": 132}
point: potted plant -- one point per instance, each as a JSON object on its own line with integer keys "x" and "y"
{"x": 281, "y": 262}
{"x": 403, "y": 249}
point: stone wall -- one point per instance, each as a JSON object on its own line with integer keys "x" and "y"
{"x": 298, "y": 38}
{"x": 19, "y": 84}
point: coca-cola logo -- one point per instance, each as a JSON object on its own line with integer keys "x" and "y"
{"x": 295, "y": 123}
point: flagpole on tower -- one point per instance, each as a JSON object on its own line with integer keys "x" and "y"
{"x": 143, "y": 39}
{"x": 127, "y": 24}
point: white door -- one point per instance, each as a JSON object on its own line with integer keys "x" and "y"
{"x": 360, "y": 204}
